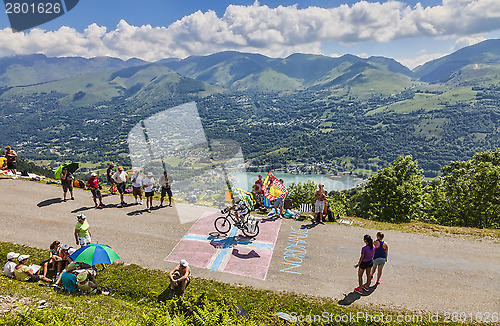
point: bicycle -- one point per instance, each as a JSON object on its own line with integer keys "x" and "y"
{"x": 223, "y": 224}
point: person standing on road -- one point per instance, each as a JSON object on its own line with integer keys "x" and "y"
{"x": 93, "y": 185}
{"x": 165, "y": 189}
{"x": 109, "y": 175}
{"x": 365, "y": 264}
{"x": 67, "y": 183}
{"x": 380, "y": 256}
{"x": 120, "y": 179}
{"x": 82, "y": 232}
{"x": 10, "y": 156}
{"x": 137, "y": 186}
{"x": 278, "y": 203}
{"x": 148, "y": 184}
{"x": 321, "y": 195}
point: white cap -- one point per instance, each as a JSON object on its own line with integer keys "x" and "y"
{"x": 150, "y": 174}
{"x": 93, "y": 174}
{"x": 11, "y": 255}
{"x": 65, "y": 246}
{"x": 184, "y": 263}
{"x": 81, "y": 216}
{"x": 23, "y": 257}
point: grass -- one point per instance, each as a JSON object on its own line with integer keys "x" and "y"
{"x": 134, "y": 302}
{"x": 430, "y": 229}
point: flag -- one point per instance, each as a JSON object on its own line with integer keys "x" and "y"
{"x": 272, "y": 188}
{"x": 246, "y": 196}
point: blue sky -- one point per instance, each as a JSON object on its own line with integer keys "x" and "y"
{"x": 411, "y": 32}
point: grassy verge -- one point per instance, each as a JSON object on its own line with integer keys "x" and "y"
{"x": 134, "y": 302}
{"x": 430, "y": 229}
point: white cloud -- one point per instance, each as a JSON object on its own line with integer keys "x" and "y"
{"x": 275, "y": 32}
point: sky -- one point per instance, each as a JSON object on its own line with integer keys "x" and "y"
{"x": 411, "y": 32}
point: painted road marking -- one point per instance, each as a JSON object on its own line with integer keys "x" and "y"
{"x": 203, "y": 247}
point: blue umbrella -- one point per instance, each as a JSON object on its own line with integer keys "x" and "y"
{"x": 94, "y": 254}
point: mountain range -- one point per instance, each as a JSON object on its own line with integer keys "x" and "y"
{"x": 438, "y": 96}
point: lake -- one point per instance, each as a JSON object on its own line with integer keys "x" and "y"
{"x": 245, "y": 181}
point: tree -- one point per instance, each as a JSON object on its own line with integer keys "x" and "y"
{"x": 469, "y": 193}
{"x": 395, "y": 193}
{"x": 302, "y": 193}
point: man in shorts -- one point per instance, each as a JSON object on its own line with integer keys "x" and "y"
{"x": 10, "y": 156}
{"x": 148, "y": 184}
{"x": 109, "y": 175}
{"x": 321, "y": 195}
{"x": 165, "y": 189}
{"x": 93, "y": 185}
{"x": 120, "y": 178}
{"x": 180, "y": 277}
{"x": 278, "y": 203}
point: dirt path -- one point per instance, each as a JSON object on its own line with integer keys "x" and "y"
{"x": 423, "y": 273}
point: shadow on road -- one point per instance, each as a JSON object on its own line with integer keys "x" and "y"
{"x": 353, "y": 296}
{"x": 48, "y": 202}
{"x": 308, "y": 226}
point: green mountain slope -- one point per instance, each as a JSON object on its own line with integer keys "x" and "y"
{"x": 37, "y": 68}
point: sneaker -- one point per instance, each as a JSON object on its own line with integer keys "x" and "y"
{"x": 72, "y": 198}
{"x": 365, "y": 287}
{"x": 149, "y": 210}
{"x": 358, "y": 290}
{"x": 378, "y": 283}
{"x": 321, "y": 222}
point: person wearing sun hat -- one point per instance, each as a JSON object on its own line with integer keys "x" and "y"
{"x": 180, "y": 277}
{"x": 10, "y": 266}
{"x": 68, "y": 278}
{"x": 87, "y": 284}
{"x": 24, "y": 273}
{"x": 82, "y": 232}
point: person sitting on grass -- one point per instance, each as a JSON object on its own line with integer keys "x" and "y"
{"x": 10, "y": 266}
{"x": 240, "y": 210}
{"x": 180, "y": 277}
{"x": 87, "y": 284}
{"x": 24, "y": 273}
{"x": 54, "y": 257}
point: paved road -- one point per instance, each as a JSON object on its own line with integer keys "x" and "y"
{"x": 423, "y": 273}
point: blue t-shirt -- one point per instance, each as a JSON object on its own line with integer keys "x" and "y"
{"x": 69, "y": 281}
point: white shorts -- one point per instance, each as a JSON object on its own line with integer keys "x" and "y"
{"x": 319, "y": 207}
{"x": 84, "y": 240}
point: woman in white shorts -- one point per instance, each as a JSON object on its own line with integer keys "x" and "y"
{"x": 82, "y": 232}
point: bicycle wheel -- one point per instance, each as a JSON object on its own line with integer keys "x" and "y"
{"x": 251, "y": 234}
{"x": 222, "y": 224}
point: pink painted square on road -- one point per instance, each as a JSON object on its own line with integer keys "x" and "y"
{"x": 233, "y": 253}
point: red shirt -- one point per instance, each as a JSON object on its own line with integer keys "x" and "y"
{"x": 93, "y": 183}
{"x": 258, "y": 186}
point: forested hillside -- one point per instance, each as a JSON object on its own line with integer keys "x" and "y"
{"x": 337, "y": 114}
